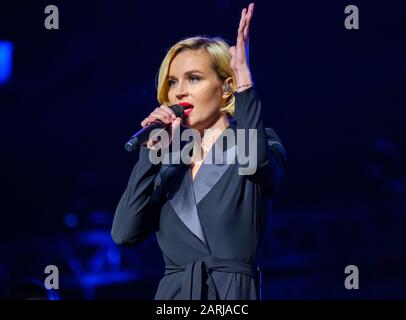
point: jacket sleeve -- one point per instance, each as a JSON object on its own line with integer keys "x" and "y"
{"x": 271, "y": 155}
{"x": 137, "y": 213}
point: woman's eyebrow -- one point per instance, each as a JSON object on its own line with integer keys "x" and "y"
{"x": 188, "y": 72}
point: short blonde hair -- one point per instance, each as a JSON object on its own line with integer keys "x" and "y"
{"x": 220, "y": 55}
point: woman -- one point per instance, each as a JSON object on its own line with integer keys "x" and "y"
{"x": 208, "y": 217}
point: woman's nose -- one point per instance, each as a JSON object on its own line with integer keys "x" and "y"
{"x": 181, "y": 90}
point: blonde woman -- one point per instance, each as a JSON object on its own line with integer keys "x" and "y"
{"x": 208, "y": 217}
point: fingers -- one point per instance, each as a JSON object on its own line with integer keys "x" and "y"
{"x": 171, "y": 113}
{"x": 248, "y": 20}
{"x": 242, "y": 20}
{"x": 156, "y": 143}
{"x": 145, "y": 121}
{"x": 250, "y": 10}
{"x": 176, "y": 124}
{"x": 174, "y": 127}
{"x": 162, "y": 113}
{"x": 245, "y": 20}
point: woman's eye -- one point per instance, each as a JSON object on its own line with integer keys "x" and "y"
{"x": 194, "y": 78}
{"x": 171, "y": 83}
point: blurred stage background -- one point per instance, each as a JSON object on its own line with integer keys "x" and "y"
{"x": 70, "y": 99}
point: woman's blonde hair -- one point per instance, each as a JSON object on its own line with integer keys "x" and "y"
{"x": 220, "y": 56}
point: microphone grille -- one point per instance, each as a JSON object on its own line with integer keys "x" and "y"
{"x": 177, "y": 109}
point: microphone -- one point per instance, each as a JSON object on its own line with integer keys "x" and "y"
{"x": 143, "y": 135}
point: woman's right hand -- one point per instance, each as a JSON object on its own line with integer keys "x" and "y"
{"x": 167, "y": 116}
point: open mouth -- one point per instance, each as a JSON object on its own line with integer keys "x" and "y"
{"x": 187, "y": 108}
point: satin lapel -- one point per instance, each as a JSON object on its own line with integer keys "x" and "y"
{"x": 210, "y": 173}
{"x": 183, "y": 202}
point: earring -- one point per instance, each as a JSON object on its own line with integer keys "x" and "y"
{"x": 227, "y": 88}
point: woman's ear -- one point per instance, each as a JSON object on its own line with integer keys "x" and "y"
{"x": 228, "y": 88}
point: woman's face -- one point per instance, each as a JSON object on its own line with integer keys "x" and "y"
{"x": 192, "y": 79}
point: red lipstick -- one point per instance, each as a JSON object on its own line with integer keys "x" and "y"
{"x": 187, "y": 107}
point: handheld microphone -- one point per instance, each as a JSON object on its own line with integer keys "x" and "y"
{"x": 143, "y": 135}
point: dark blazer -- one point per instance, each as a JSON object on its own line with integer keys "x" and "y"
{"x": 208, "y": 228}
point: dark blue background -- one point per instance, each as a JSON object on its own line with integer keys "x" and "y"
{"x": 336, "y": 97}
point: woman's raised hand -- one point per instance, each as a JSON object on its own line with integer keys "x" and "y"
{"x": 239, "y": 62}
{"x": 240, "y": 52}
